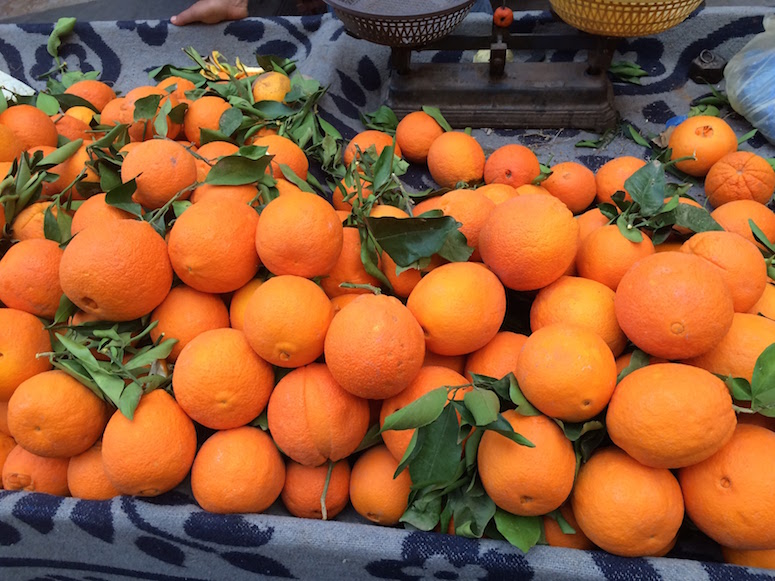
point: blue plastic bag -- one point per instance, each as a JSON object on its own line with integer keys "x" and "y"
{"x": 750, "y": 77}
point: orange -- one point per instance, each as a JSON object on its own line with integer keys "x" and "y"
{"x": 764, "y": 559}
{"x": 239, "y": 303}
{"x": 285, "y": 187}
{"x": 286, "y": 152}
{"x": 22, "y": 337}
{"x": 428, "y": 379}
{"x": 529, "y": 241}
{"x": 10, "y": 145}
{"x": 456, "y": 363}
{"x": 530, "y": 189}
{"x": 53, "y": 415}
{"x": 729, "y": 495}
{"x": 573, "y": 184}
{"x": 740, "y": 175}
{"x": 29, "y": 277}
{"x": 670, "y": 415}
{"x": 212, "y": 248}
{"x": 29, "y": 222}
{"x": 220, "y": 382}
{"x": 113, "y": 112}
{"x": 624, "y": 507}
{"x": 245, "y": 194}
{"x": 736, "y": 353}
{"x": 24, "y": 470}
{"x": 511, "y": 164}
{"x": 95, "y": 92}
{"x": 71, "y": 128}
{"x": 579, "y": 301}
{"x": 286, "y": 321}
{"x": 86, "y": 476}
{"x": 211, "y": 152}
{"x": 303, "y": 490}
{"x": 237, "y": 471}
{"x": 610, "y": 178}
{"x": 271, "y": 86}
{"x": 95, "y": 211}
{"x": 623, "y": 361}
{"x": 460, "y": 307}
{"x": 76, "y": 165}
{"x": 185, "y": 314}
{"x": 145, "y": 129}
{"x": 414, "y": 135}
{"x": 590, "y": 221}
{"x": 471, "y": 209}
{"x": 4, "y": 418}
{"x": 556, "y": 538}
{"x": 365, "y": 139}
{"x": 30, "y": 125}
{"x": 357, "y": 352}
{"x": 498, "y": 193}
{"x": 426, "y": 205}
{"x": 204, "y": 113}
{"x": 341, "y": 301}
{"x": 386, "y": 211}
{"x": 7, "y": 443}
{"x": 738, "y": 260}
{"x": 498, "y": 358}
{"x": 567, "y": 372}
{"x": 605, "y": 255}
{"x": 118, "y": 271}
{"x": 82, "y": 113}
{"x": 312, "y": 419}
{"x": 734, "y": 217}
{"x": 177, "y": 86}
{"x": 299, "y": 234}
{"x": 656, "y": 305}
{"x": 522, "y": 480}
{"x": 128, "y": 445}
{"x": 403, "y": 284}
{"x": 374, "y": 493}
{"x": 765, "y": 306}
{"x": 707, "y": 139}
{"x": 348, "y": 267}
{"x": 456, "y": 157}
{"x": 161, "y": 169}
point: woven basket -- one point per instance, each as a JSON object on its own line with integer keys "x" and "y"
{"x": 401, "y": 23}
{"x": 624, "y": 17}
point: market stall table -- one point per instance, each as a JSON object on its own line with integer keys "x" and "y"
{"x": 45, "y": 537}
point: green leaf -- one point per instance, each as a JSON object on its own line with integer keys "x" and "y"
{"x": 456, "y": 248}
{"x": 407, "y": 240}
{"x": 230, "y": 121}
{"x": 291, "y": 176}
{"x": 499, "y": 386}
{"x": 424, "y": 512}
{"x": 483, "y": 404}
{"x": 60, "y": 155}
{"x": 48, "y": 104}
{"x": 637, "y": 137}
{"x": 608, "y": 210}
{"x": 472, "y": 447}
{"x": 472, "y": 510}
{"x": 739, "y": 388}
{"x": 647, "y": 187}
{"x": 128, "y": 400}
{"x": 770, "y": 160}
{"x": 272, "y": 110}
{"x": 516, "y": 396}
{"x": 146, "y": 358}
{"x": 236, "y": 170}
{"x": 435, "y": 112}
{"x": 372, "y": 438}
{"x": 628, "y": 230}
{"x": 694, "y": 218}
{"x": 261, "y": 422}
{"x": 706, "y": 110}
{"x": 146, "y": 107}
{"x": 523, "y": 532}
{"x": 121, "y": 197}
{"x": 3, "y": 102}
{"x": 574, "y": 431}
{"x": 65, "y": 310}
{"x": 747, "y": 136}
{"x": 62, "y": 28}
{"x": 79, "y": 351}
{"x": 763, "y": 383}
{"x": 414, "y": 447}
{"x": 383, "y": 119}
{"x": 370, "y": 257}
{"x": 638, "y": 359}
{"x": 50, "y": 226}
{"x": 561, "y": 522}
{"x": 761, "y": 236}
{"x": 160, "y": 125}
{"x": 439, "y": 458}
{"x": 420, "y": 412}
{"x": 208, "y": 135}
{"x": 179, "y": 207}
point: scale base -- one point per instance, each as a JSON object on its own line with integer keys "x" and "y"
{"x": 526, "y": 96}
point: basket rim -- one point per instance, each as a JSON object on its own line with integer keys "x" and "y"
{"x": 623, "y": 2}
{"x": 337, "y": 5}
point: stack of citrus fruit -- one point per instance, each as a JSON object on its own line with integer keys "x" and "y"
{"x": 296, "y": 331}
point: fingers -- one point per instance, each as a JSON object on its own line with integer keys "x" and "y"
{"x": 212, "y": 12}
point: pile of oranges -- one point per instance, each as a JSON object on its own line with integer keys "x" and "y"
{"x": 289, "y": 348}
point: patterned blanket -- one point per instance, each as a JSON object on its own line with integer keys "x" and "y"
{"x": 170, "y": 538}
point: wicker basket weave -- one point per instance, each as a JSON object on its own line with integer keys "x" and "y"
{"x": 401, "y": 23}
{"x": 624, "y": 17}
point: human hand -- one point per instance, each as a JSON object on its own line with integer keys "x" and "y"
{"x": 212, "y": 12}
